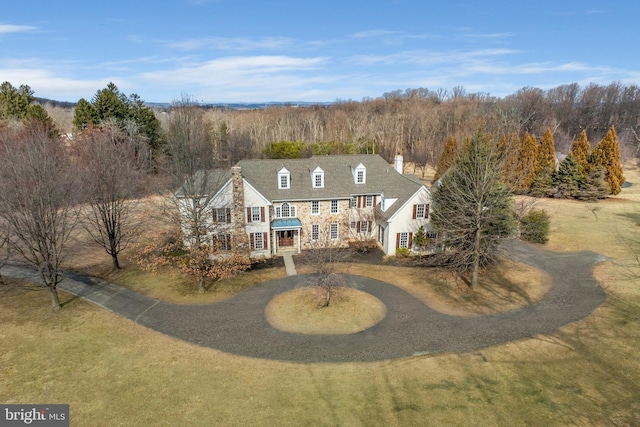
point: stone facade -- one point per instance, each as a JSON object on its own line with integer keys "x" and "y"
{"x": 240, "y": 237}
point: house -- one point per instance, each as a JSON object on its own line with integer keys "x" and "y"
{"x": 273, "y": 207}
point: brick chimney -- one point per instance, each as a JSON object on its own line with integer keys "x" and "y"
{"x": 240, "y": 239}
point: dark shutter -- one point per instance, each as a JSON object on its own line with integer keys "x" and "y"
{"x": 265, "y": 240}
{"x": 251, "y": 240}
{"x": 228, "y": 215}
{"x": 410, "y": 240}
{"x": 262, "y": 219}
{"x": 426, "y": 211}
{"x": 375, "y": 199}
{"x": 248, "y": 214}
{"x": 397, "y": 240}
{"x": 415, "y": 211}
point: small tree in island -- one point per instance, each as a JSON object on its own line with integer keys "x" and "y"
{"x": 323, "y": 258}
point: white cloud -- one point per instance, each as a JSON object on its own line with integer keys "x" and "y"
{"x": 9, "y": 28}
{"x": 232, "y": 44}
{"x": 423, "y": 57}
{"x": 236, "y": 67}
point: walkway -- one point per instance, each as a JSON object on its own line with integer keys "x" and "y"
{"x": 238, "y": 325}
{"x": 289, "y": 266}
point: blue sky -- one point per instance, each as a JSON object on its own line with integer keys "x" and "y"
{"x": 299, "y": 50}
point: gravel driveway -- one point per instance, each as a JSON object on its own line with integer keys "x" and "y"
{"x": 239, "y": 326}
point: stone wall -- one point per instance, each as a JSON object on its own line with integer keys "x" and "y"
{"x": 240, "y": 239}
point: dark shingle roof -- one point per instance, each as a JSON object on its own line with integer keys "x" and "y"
{"x": 339, "y": 180}
{"x": 204, "y": 184}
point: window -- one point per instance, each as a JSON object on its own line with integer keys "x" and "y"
{"x": 404, "y": 240}
{"x": 334, "y": 206}
{"x": 354, "y": 202}
{"x": 285, "y": 210}
{"x": 420, "y": 210}
{"x": 222, "y": 215}
{"x": 369, "y": 201}
{"x": 333, "y": 234}
{"x": 360, "y": 174}
{"x": 258, "y": 242}
{"x": 353, "y": 225}
{"x": 284, "y": 179}
{"x": 222, "y": 242}
{"x": 364, "y": 226}
{"x": 255, "y": 214}
{"x": 315, "y": 207}
{"x": 318, "y": 178}
{"x": 315, "y": 232}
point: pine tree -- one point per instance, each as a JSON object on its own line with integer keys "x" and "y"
{"x": 594, "y": 185}
{"x": 448, "y": 157}
{"x": 542, "y": 183}
{"x": 580, "y": 150}
{"x": 510, "y": 153}
{"x": 526, "y": 163}
{"x": 607, "y": 154}
{"x": 568, "y": 178}
{"x": 473, "y": 209}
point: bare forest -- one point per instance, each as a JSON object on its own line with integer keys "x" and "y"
{"x": 417, "y": 122}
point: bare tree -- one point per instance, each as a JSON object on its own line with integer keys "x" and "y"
{"x": 323, "y": 256}
{"x": 213, "y": 249}
{"x": 37, "y": 199}
{"x": 111, "y": 183}
{"x": 473, "y": 210}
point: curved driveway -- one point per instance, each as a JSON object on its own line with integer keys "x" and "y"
{"x": 239, "y": 326}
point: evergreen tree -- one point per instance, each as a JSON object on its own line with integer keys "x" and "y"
{"x": 580, "y": 150}
{"x": 526, "y": 163}
{"x": 568, "y": 178}
{"x": 607, "y": 154}
{"x": 473, "y": 209}
{"x": 111, "y": 105}
{"x": 19, "y": 104}
{"x": 534, "y": 226}
{"x": 448, "y": 157}
{"x": 85, "y": 115}
{"x": 510, "y": 153}
{"x": 420, "y": 239}
{"x": 542, "y": 183}
{"x": 594, "y": 185}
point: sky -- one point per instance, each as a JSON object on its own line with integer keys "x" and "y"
{"x": 225, "y": 51}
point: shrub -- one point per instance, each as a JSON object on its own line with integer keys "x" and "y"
{"x": 534, "y": 226}
{"x": 402, "y": 252}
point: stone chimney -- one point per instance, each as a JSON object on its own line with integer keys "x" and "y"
{"x": 397, "y": 161}
{"x": 240, "y": 239}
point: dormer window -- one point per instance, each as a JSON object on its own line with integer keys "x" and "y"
{"x": 360, "y": 174}
{"x": 318, "y": 178}
{"x": 284, "y": 179}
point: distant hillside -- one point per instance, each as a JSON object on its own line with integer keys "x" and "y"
{"x": 61, "y": 104}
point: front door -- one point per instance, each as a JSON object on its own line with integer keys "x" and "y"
{"x": 285, "y": 238}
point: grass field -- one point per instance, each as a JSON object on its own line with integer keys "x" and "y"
{"x": 114, "y": 372}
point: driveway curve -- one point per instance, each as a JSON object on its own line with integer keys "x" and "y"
{"x": 238, "y": 325}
